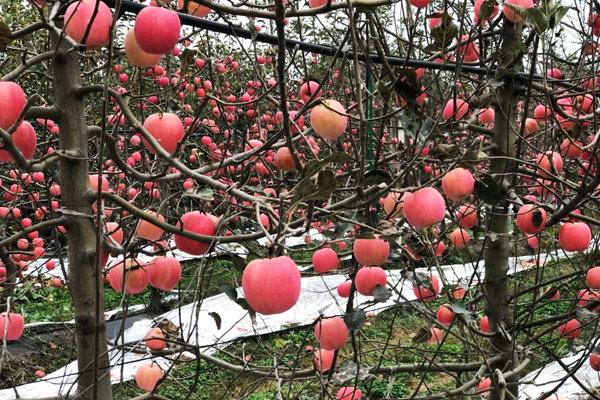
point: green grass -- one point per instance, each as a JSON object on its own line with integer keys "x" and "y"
{"x": 394, "y": 327}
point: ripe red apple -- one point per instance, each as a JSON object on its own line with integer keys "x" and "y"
{"x": 486, "y": 116}
{"x": 329, "y": 119}
{"x": 77, "y": 19}
{"x": 570, "y": 329}
{"x": 93, "y": 183}
{"x": 458, "y": 184}
{"x": 323, "y": 360}
{"x": 136, "y": 55}
{"x": 367, "y": 279}
{"x": 594, "y": 360}
{"x": 484, "y": 386}
{"x": 348, "y": 393}
{"x": 435, "y": 336}
{"x": 155, "y": 339}
{"x": 444, "y": 314}
{"x": 13, "y": 324}
{"x": 196, "y": 222}
{"x": 467, "y": 216}
{"x": 164, "y": 273}
{"x": 425, "y": 293}
{"x": 511, "y": 14}
{"x": 424, "y": 208}
{"x": 484, "y": 324}
{"x": 309, "y": 88}
{"x": 195, "y": 9}
{"x": 531, "y": 219}
{"x": 12, "y": 103}
{"x": 343, "y": 289}
{"x": 325, "y": 259}
{"x": 460, "y": 238}
{"x": 331, "y": 333}
{"x": 592, "y": 278}
{"x": 157, "y": 29}
{"x": 371, "y": 251}
{"x": 419, "y": 3}
{"x": 148, "y": 375}
{"x": 479, "y": 15}
{"x": 284, "y": 160}
{"x": 574, "y": 236}
{"x": 531, "y": 126}
{"x": 166, "y": 128}
{"x": 24, "y": 139}
{"x": 392, "y": 204}
{"x": 149, "y": 231}
{"x": 455, "y": 108}
{"x": 550, "y": 163}
{"x": 114, "y": 230}
{"x": 271, "y": 285}
{"x": 132, "y": 273}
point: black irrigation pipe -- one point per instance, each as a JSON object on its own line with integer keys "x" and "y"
{"x": 220, "y": 27}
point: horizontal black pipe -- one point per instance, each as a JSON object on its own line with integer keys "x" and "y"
{"x": 220, "y": 27}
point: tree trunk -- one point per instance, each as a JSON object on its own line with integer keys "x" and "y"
{"x": 496, "y": 252}
{"x": 84, "y": 275}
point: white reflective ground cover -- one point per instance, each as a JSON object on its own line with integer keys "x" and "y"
{"x": 318, "y": 297}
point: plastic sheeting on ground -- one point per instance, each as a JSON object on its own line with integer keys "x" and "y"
{"x": 198, "y": 327}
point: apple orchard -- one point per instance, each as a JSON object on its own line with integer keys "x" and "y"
{"x": 142, "y": 142}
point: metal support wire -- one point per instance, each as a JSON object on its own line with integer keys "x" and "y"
{"x": 128, "y": 6}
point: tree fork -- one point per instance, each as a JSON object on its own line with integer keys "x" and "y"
{"x": 495, "y": 285}
{"x": 84, "y": 276}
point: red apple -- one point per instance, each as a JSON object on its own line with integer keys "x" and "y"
{"x": 325, "y": 260}
{"x": 166, "y": 128}
{"x": 199, "y": 223}
{"x": 147, "y": 376}
{"x": 368, "y": 278}
{"x": 329, "y": 119}
{"x": 157, "y": 29}
{"x": 77, "y": 19}
{"x": 13, "y": 324}
{"x": 24, "y": 139}
{"x": 12, "y": 103}
{"x": 331, "y": 333}
{"x": 371, "y": 251}
{"x": 458, "y": 184}
{"x": 164, "y": 273}
{"x": 531, "y": 219}
{"x": 574, "y": 236}
{"x": 271, "y": 286}
{"x": 424, "y": 208}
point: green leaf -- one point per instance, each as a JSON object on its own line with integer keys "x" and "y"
{"x": 356, "y": 319}
{"x": 230, "y": 292}
{"x": 314, "y": 166}
{"x": 461, "y": 309}
{"x": 381, "y": 294}
{"x": 320, "y": 188}
{"x": 376, "y": 177}
{"x": 5, "y": 35}
{"x": 488, "y": 190}
{"x": 217, "y": 319}
{"x": 444, "y": 33}
{"x": 422, "y": 335}
{"x": 556, "y": 14}
{"x": 205, "y": 194}
{"x": 187, "y": 58}
{"x": 487, "y": 8}
{"x": 520, "y": 11}
{"x": 537, "y": 19}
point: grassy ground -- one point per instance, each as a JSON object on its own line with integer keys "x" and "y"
{"x": 393, "y": 328}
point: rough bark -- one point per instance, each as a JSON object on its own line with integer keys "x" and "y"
{"x": 497, "y": 244}
{"x": 84, "y": 276}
